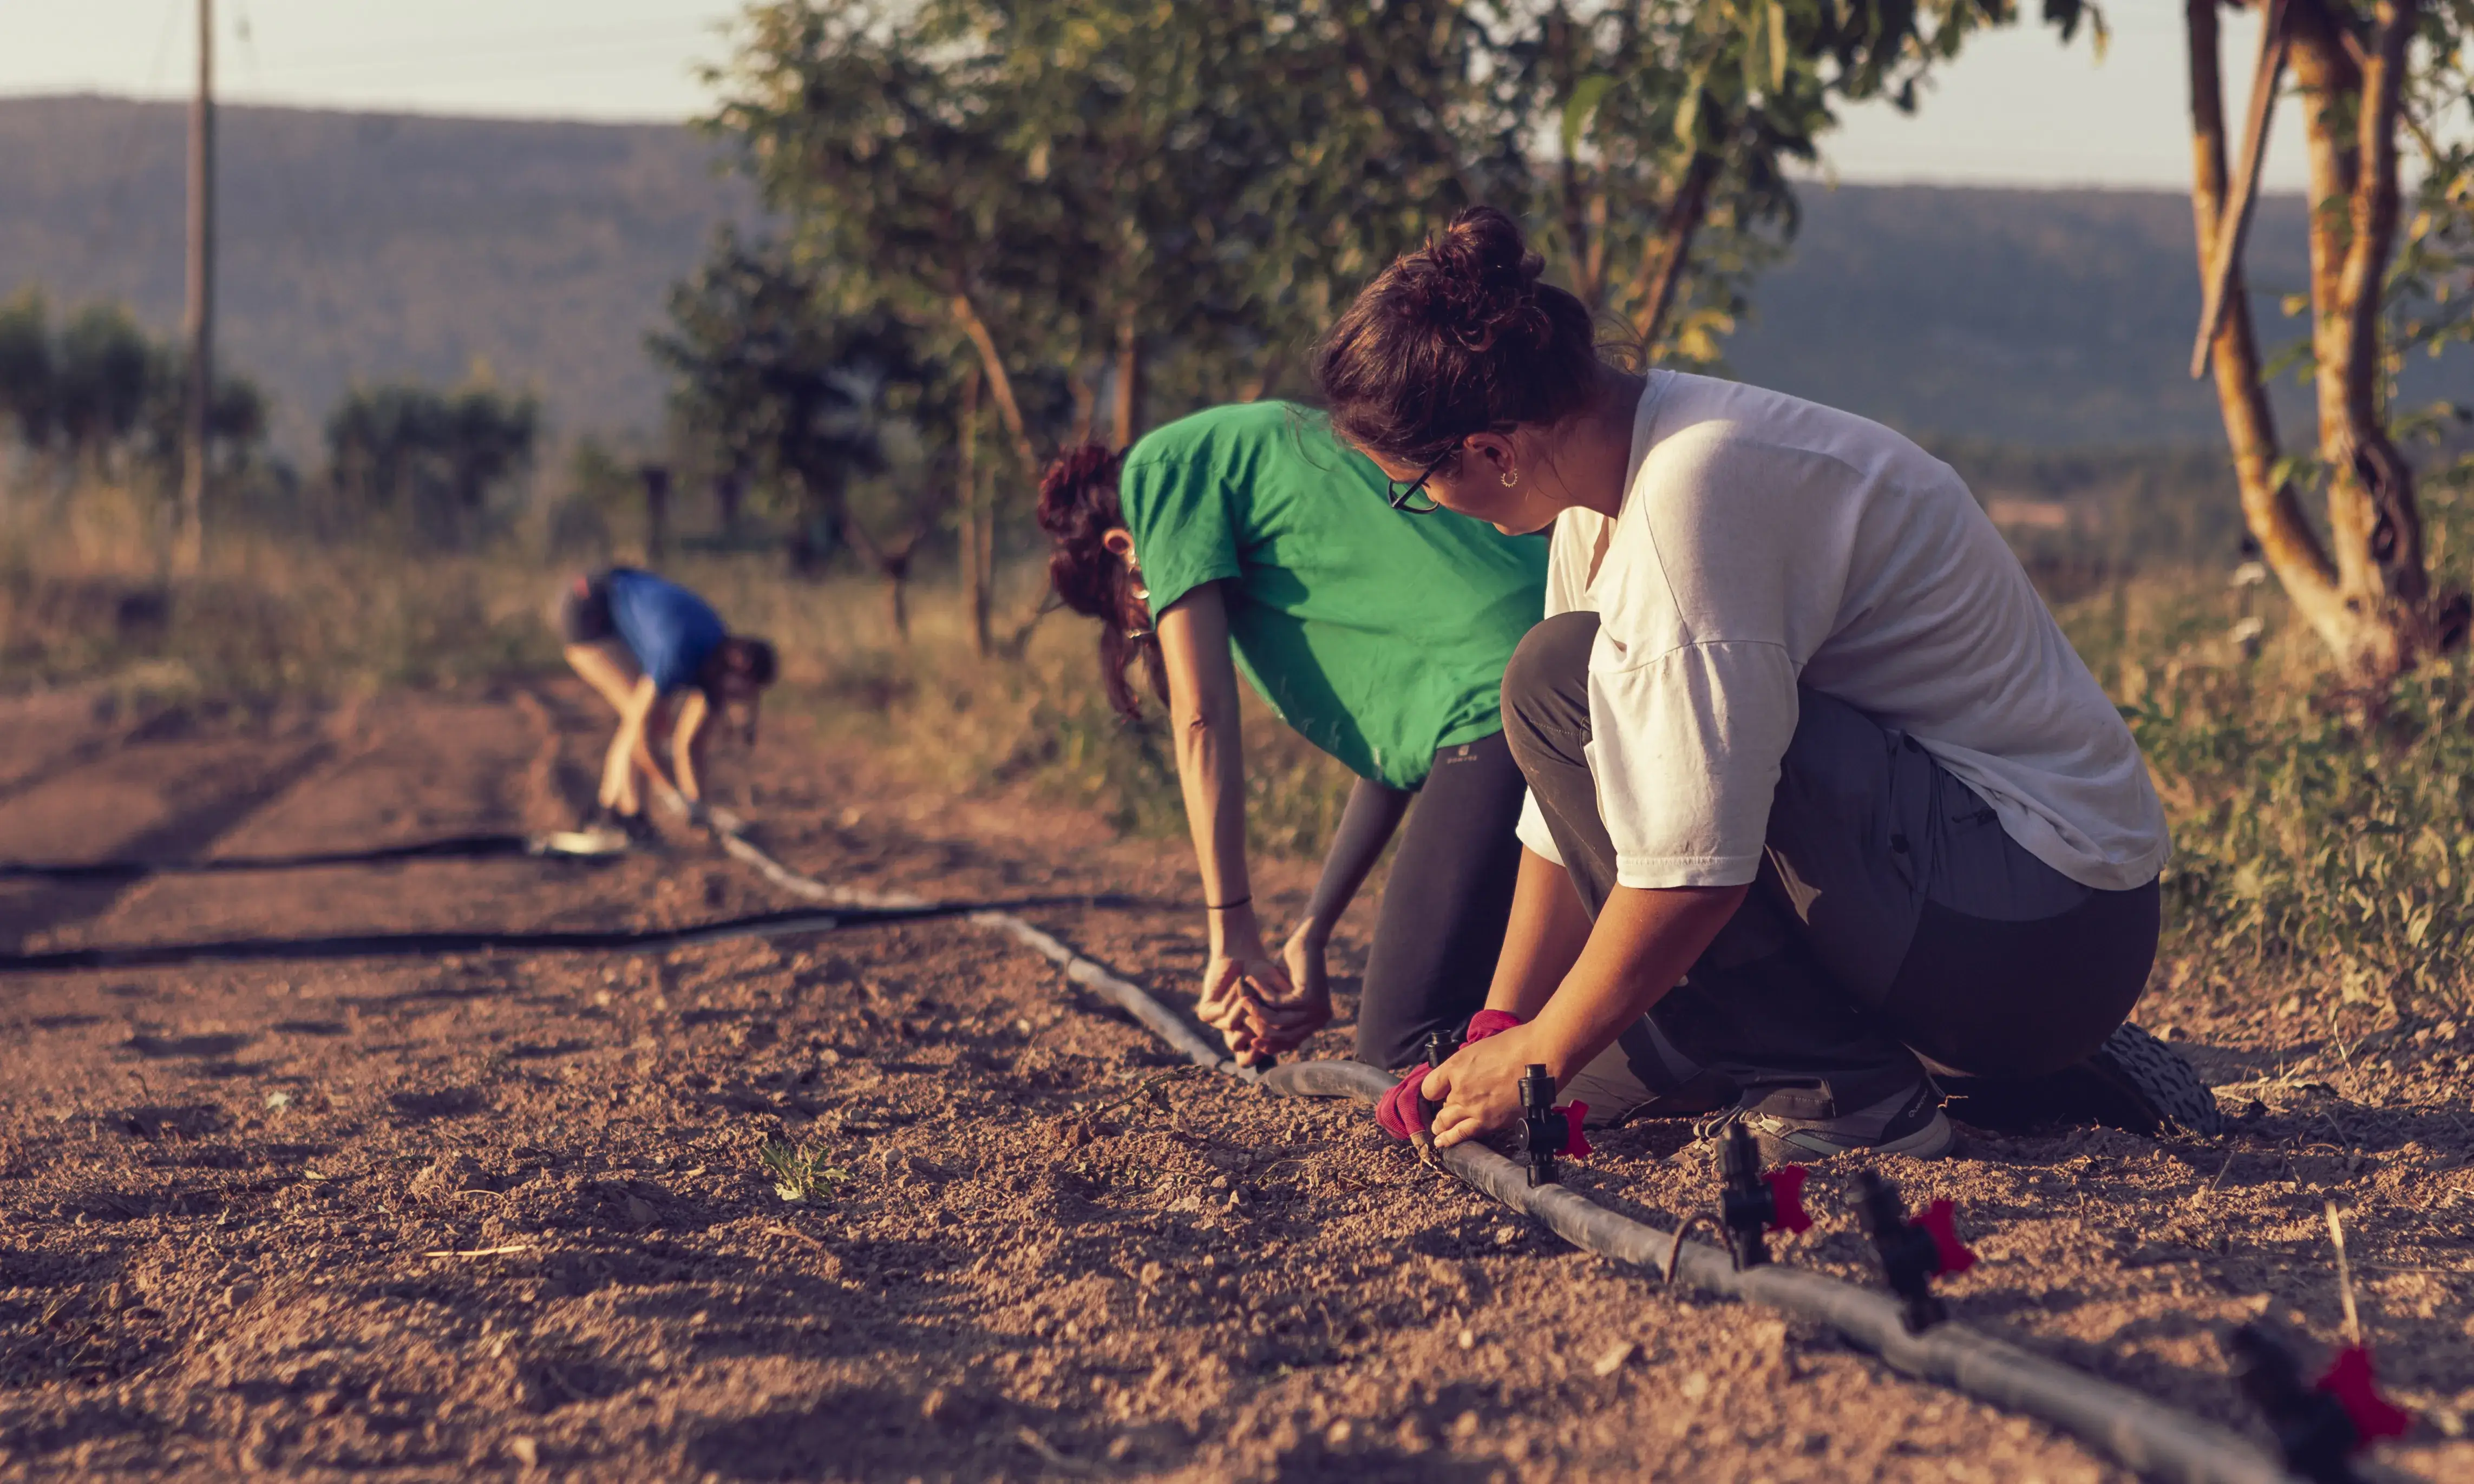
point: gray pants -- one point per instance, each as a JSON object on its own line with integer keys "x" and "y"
{"x": 1892, "y": 918}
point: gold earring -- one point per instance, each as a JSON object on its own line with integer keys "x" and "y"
{"x": 1511, "y": 477}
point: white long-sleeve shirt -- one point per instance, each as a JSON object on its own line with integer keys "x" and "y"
{"x": 1765, "y": 543}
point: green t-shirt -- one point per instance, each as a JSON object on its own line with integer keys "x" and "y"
{"x": 1380, "y": 637}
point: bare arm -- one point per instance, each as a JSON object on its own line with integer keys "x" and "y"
{"x": 1543, "y": 940}
{"x": 1242, "y": 986}
{"x": 1640, "y": 946}
{"x": 1366, "y": 826}
{"x": 686, "y": 742}
{"x": 1210, "y": 755}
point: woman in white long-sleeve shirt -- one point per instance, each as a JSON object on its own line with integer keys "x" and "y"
{"x": 1815, "y": 780}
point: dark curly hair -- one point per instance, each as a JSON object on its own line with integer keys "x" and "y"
{"x": 1078, "y": 508}
{"x": 1458, "y": 337}
{"x": 743, "y": 655}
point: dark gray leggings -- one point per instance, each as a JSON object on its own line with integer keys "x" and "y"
{"x": 1892, "y": 915}
{"x": 1441, "y": 927}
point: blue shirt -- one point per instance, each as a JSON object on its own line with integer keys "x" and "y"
{"x": 670, "y": 631}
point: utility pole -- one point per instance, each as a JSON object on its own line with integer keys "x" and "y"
{"x": 189, "y": 542}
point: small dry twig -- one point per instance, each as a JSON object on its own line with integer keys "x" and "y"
{"x": 2344, "y": 1279}
{"x": 479, "y": 1251}
{"x": 1048, "y": 1453}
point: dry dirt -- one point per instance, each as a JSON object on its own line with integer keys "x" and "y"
{"x": 503, "y": 1216}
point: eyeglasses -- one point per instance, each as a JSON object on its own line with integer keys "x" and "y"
{"x": 1412, "y": 499}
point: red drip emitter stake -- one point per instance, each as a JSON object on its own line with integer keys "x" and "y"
{"x": 1751, "y": 1203}
{"x": 2318, "y": 1426}
{"x": 1912, "y": 1252}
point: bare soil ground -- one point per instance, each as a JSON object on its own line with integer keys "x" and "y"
{"x": 505, "y": 1216}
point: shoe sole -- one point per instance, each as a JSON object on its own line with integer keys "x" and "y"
{"x": 2132, "y": 1081}
{"x": 2156, "y": 1075}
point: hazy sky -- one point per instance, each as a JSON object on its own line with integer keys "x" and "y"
{"x": 2017, "y": 108}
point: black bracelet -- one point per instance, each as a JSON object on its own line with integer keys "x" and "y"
{"x": 1230, "y": 906}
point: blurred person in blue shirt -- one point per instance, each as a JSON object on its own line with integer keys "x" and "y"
{"x": 661, "y": 657}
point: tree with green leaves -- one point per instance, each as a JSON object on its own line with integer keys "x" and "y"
{"x": 788, "y": 394}
{"x": 1675, "y": 124}
{"x": 2370, "y": 76}
{"x": 1116, "y": 196}
{"x": 1072, "y": 203}
{"x": 432, "y": 459}
{"x": 100, "y": 398}
{"x": 236, "y": 421}
{"x": 1080, "y": 185}
{"x": 27, "y": 379}
{"x": 103, "y": 369}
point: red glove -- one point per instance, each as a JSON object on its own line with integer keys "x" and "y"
{"x": 1399, "y": 1114}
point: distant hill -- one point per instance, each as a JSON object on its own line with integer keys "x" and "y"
{"x": 2044, "y": 318}
{"x": 369, "y": 246}
{"x": 366, "y": 246}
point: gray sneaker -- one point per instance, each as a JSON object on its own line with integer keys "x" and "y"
{"x": 1910, "y": 1123}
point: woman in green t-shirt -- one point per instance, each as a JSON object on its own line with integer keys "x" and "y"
{"x": 1246, "y": 538}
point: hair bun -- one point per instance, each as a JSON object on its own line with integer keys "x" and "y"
{"x": 1478, "y": 282}
{"x": 1458, "y": 337}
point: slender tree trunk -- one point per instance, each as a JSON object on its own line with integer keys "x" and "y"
{"x": 2388, "y": 518}
{"x": 189, "y": 539}
{"x": 975, "y": 572}
{"x": 1086, "y": 406}
{"x": 2365, "y": 594}
{"x": 1126, "y": 417}
{"x": 966, "y": 316}
{"x": 2271, "y": 511}
{"x": 1582, "y": 247}
{"x": 2349, "y": 122}
{"x": 2231, "y": 223}
{"x": 1266, "y": 377}
{"x": 983, "y": 531}
{"x": 1661, "y": 269}
{"x": 657, "y": 509}
{"x": 893, "y": 564}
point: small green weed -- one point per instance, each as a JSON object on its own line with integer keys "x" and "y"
{"x": 799, "y": 1171}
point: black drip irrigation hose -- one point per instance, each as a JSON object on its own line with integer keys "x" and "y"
{"x": 453, "y": 848}
{"x": 246, "y": 950}
{"x": 2138, "y": 1432}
